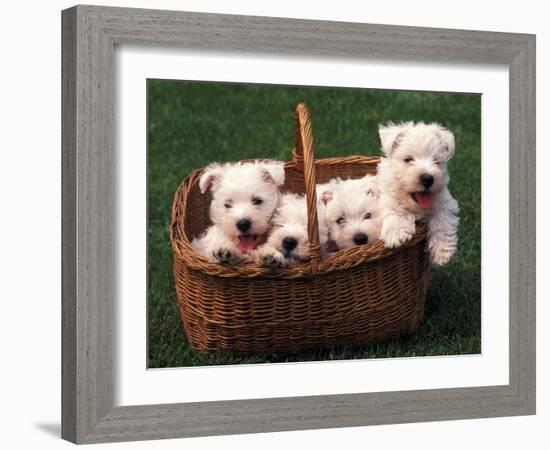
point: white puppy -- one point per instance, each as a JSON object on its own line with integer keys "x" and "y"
{"x": 353, "y": 213}
{"x": 244, "y": 198}
{"x": 413, "y": 181}
{"x": 288, "y": 241}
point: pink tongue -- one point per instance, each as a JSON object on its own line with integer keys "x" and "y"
{"x": 246, "y": 242}
{"x": 424, "y": 199}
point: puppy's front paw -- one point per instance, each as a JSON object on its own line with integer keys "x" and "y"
{"x": 397, "y": 230}
{"x": 225, "y": 255}
{"x": 271, "y": 259}
{"x": 397, "y": 237}
{"x": 441, "y": 254}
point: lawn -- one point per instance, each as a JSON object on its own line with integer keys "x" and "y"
{"x": 191, "y": 124}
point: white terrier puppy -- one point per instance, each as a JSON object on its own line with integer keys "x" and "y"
{"x": 288, "y": 241}
{"x": 353, "y": 213}
{"x": 244, "y": 198}
{"x": 413, "y": 181}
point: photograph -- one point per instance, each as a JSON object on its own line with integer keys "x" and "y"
{"x": 292, "y": 224}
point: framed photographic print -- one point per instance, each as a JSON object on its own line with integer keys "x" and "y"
{"x": 277, "y": 224}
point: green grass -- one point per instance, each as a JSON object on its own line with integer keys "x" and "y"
{"x": 192, "y": 124}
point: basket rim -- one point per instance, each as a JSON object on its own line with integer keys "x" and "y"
{"x": 339, "y": 260}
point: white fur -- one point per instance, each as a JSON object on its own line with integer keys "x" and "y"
{"x": 429, "y": 147}
{"x": 290, "y": 221}
{"x": 236, "y": 190}
{"x": 352, "y": 207}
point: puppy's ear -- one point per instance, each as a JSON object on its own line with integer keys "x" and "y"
{"x": 326, "y": 197}
{"x": 211, "y": 175}
{"x": 390, "y": 137}
{"x": 447, "y": 140}
{"x": 373, "y": 190}
{"x": 273, "y": 172}
{"x": 370, "y": 185}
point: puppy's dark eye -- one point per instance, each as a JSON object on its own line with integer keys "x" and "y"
{"x": 409, "y": 159}
{"x": 367, "y": 216}
{"x": 227, "y": 205}
{"x": 257, "y": 201}
{"x": 340, "y": 220}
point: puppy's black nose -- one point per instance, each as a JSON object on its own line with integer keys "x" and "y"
{"x": 360, "y": 239}
{"x": 427, "y": 180}
{"x": 244, "y": 225}
{"x": 289, "y": 243}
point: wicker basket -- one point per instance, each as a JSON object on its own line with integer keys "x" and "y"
{"x": 354, "y": 296}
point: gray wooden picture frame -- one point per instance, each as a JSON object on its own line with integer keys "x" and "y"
{"x": 90, "y": 34}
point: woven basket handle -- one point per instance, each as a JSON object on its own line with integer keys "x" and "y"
{"x": 304, "y": 158}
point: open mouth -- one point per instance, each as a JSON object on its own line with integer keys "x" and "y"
{"x": 423, "y": 198}
{"x": 247, "y": 242}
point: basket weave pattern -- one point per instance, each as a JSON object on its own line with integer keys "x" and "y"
{"x": 354, "y": 296}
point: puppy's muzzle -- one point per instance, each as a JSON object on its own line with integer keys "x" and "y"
{"x": 289, "y": 243}
{"x": 427, "y": 180}
{"x": 360, "y": 239}
{"x": 243, "y": 225}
